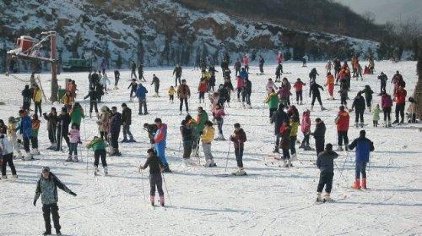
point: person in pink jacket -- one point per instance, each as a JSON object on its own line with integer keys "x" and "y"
{"x": 305, "y": 127}
{"x": 240, "y": 85}
{"x": 75, "y": 139}
{"x": 245, "y": 61}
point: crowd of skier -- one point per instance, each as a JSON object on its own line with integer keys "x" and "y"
{"x": 19, "y": 137}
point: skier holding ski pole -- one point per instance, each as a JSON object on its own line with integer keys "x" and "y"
{"x": 155, "y": 177}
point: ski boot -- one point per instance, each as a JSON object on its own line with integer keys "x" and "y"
{"x": 152, "y": 200}
{"x": 340, "y": 148}
{"x": 319, "y": 198}
{"x": 47, "y": 232}
{"x": 323, "y": 108}
{"x": 239, "y": 172}
{"x": 327, "y": 198}
{"x": 162, "y": 201}
{"x": 35, "y": 151}
{"x": 105, "y": 170}
{"x": 363, "y": 183}
{"x": 96, "y": 171}
{"x": 356, "y": 184}
{"x": 58, "y": 232}
{"x": 276, "y": 149}
{"x": 75, "y": 159}
{"x": 69, "y": 158}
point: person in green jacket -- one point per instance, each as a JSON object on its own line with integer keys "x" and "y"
{"x": 76, "y": 114}
{"x": 376, "y": 115}
{"x": 273, "y": 101}
{"x": 99, "y": 147}
{"x": 201, "y": 119}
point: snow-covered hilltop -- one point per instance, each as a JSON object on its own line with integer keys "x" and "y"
{"x": 163, "y": 32}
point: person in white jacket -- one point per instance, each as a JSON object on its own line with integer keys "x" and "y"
{"x": 6, "y": 154}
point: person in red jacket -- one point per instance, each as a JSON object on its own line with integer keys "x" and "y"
{"x": 400, "y": 99}
{"x": 342, "y": 122}
{"x": 299, "y": 88}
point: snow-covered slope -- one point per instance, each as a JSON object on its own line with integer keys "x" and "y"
{"x": 269, "y": 201}
{"x": 163, "y": 32}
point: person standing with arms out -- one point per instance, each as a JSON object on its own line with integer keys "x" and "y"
{"x": 342, "y": 121}
{"x": 37, "y": 97}
{"x": 183, "y": 92}
{"x": 325, "y": 164}
{"x": 160, "y": 140}
{"x": 47, "y": 188}
{"x": 330, "y": 85}
{"x": 155, "y": 177}
{"x": 363, "y": 148}
{"x": 207, "y": 137}
{"x": 177, "y": 72}
{"x": 383, "y": 80}
{"x": 6, "y": 153}
{"x": 133, "y": 70}
{"x": 238, "y": 138}
{"x": 126, "y": 122}
{"x": 93, "y": 98}
{"x": 359, "y": 106}
{"x": 171, "y": 93}
{"x": 367, "y": 91}
{"x": 316, "y": 95}
{"x": 133, "y": 88}
{"x": 400, "y": 99}
{"x": 298, "y": 85}
{"x": 319, "y": 135}
{"x": 141, "y": 94}
{"x": 156, "y": 83}
{"x": 98, "y": 145}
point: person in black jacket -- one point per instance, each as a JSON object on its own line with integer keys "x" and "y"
{"x": 314, "y": 91}
{"x": 27, "y": 96}
{"x": 63, "y": 121}
{"x": 261, "y": 62}
{"x": 51, "y": 119}
{"x": 246, "y": 93}
{"x": 359, "y": 106}
{"x": 187, "y": 139}
{"x": 114, "y": 131}
{"x": 325, "y": 164}
{"x": 92, "y": 95}
{"x": 319, "y": 135}
{"x": 116, "y": 78}
{"x": 178, "y": 73}
{"x": 151, "y": 130}
{"x": 383, "y": 82}
{"x": 126, "y": 122}
{"x": 47, "y": 188}
{"x": 278, "y": 118}
{"x": 155, "y": 178}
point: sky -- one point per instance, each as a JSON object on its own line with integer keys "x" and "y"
{"x": 387, "y": 10}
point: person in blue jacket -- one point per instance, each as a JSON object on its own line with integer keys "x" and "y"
{"x": 244, "y": 74}
{"x": 141, "y": 94}
{"x": 363, "y": 148}
{"x": 25, "y": 129}
{"x": 160, "y": 138}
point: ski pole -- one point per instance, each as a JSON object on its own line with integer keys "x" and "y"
{"x": 143, "y": 186}
{"x": 344, "y": 164}
{"x": 227, "y": 158}
{"x": 167, "y": 190}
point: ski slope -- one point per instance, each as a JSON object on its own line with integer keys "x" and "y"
{"x": 268, "y": 201}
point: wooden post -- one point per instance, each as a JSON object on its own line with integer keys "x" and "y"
{"x": 418, "y": 90}
{"x": 54, "y": 67}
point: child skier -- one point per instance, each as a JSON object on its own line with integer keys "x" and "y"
{"x": 47, "y": 188}
{"x": 207, "y": 137}
{"x": 99, "y": 147}
{"x": 171, "y": 93}
{"x": 305, "y": 127}
{"x": 285, "y": 143}
{"x": 155, "y": 178}
{"x": 218, "y": 114}
{"x": 34, "y": 139}
{"x": 13, "y": 137}
{"x": 325, "y": 164}
{"x": 363, "y": 147}
{"x": 376, "y": 115}
{"x": 202, "y": 89}
{"x": 6, "y": 153}
{"x": 238, "y": 138}
{"x": 75, "y": 139}
{"x": 294, "y": 127}
{"x": 51, "y": 119}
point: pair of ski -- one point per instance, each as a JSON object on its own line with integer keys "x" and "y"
{"x": 276, "y": 161}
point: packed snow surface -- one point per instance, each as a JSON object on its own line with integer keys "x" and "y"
{"x": 270, "y": 200}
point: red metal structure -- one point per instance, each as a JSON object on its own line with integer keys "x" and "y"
{"x": 27, "y": 49}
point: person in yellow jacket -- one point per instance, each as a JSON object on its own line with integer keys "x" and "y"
{"x": 207, "y": 137}
{"x": 171, "y": 93}
{"x": 37, "y": 97}
{"x": 294, "y": 127}
{"x": 68, "y": 100}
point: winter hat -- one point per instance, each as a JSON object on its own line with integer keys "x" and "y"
{"x": 1, "y": 121}
{"x": 362, "y": 133}
{"x": 329, "y": 147}
{"x": 64, "y": 109}
{"x": 236, "y": 125}
{"x": 341, "y": 108}
{"x": 150, "y": 150}
{"x": 45, "y": 169}
{"x": 124, "y": 105}
{"x": 12, "y": 119}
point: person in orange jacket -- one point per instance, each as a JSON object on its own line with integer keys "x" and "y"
{"x": 330, "y": 85}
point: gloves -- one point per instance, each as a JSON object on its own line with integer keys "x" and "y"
{"x": 35, "y": 202}
{"x": 72, "y": 193}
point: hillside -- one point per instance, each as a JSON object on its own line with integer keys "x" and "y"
{"x": 167, "y": 32}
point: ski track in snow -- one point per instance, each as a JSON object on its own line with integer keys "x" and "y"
{"x": 270, "y": 200}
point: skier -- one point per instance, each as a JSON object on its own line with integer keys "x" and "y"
{"x": 368, "y": 96}
{"x": 92, "y": 95}
{"x": 304, "y": 60}
{"x": 278, "y": 72}
{"x": 141, "y": 72}
{"x": 114, "y": 131}
{"x": 27, "y": 96}
{"x": 202, "y": 89}
{"x": 344, "y": 94}
{"x": 76, "y": 114}
{"x": 247, "y": 92}
{"x": 141, "y": 94}
{"x": 37, "y": 97}
{"x": 160, "y": 138}
{"x": 116, "y": 78}
{"x": 316, "y": 95}
{"x": 11, "y": 133}
{"x": 133, "y": 87}
{"x": 3, "y": 127}
{"x": 330, "y": 85}
{"x": 63, "y": 121}
{"x": 201, "y": 118}
{"x": 155, "y": 178}
{"x": 218, "y": 114}
{"x": 47, "y": 188}
{"x": 285, "y": 130}
{"x": 98, "y": 145}
{"x": 298, "y": 85}
{"x": 183, "y": 93}
{"x": 359, "y": 105}
{"x": 376, "y": 115}
{"x": 186, "y": 130}
{"x": 279, "y": 58}
{"x": 294, "y": 127}
{"x": 284, "y": 92}
{"x": 245, "y": 61}
{"x": 35, "y": 122}
{"x": 156, "y": 83}
{"x": 386, "y": 104}
{"x": 240, "y": 86}
{"x": 261, "y": 62}
{"x": 177, "y": 72}
{"x": 133, "y": 70}
{"x": 325, "y": 164}
{"x": 75, "y": 139}
{"x": 171, "y": 93}
{"x": 342, "y": 122}
{"x": 363, "y": 148}
{"x": 126, "y": 122}
{"x": 207, "y": 137}
{"x": 238, "y": 138}
{"x": 383, "y": 82}
{"x": 278, "y": 118}
{"x": 328, "y": 66}
{"x": 237, "y": 66}
{"x": 228, "y": 86}
{"x": 400, "y": 99}
{"x": 6, "y": 153}
{"x": 312, "y": 76}
{"x": 305, "y": 127}
{"x": 151, "y": 130}
{"x": 272, "y": 101}
{"x": 319, "y": 135}
{"x": 25, "y": 129}
{"x": 270, "y": 86}
{"x": 337, "y": 67}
